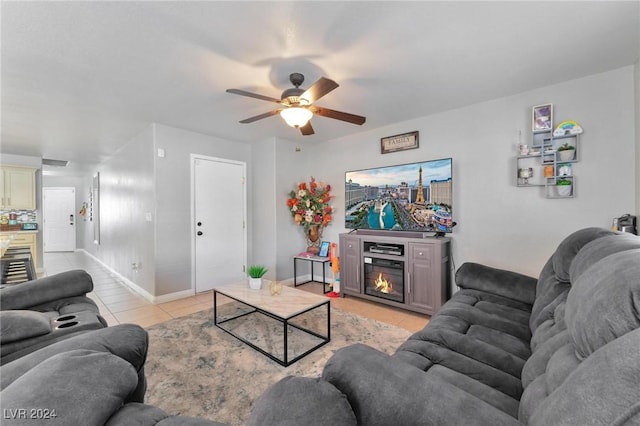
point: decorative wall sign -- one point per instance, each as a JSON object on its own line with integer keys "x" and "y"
{"x": 399, "y": 142}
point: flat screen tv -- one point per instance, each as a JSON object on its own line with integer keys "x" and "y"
{"x": 405, "y": 197}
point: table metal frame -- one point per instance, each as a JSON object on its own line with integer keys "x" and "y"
{"x": 313, "y": 260}
{"x": 285, "y": 362}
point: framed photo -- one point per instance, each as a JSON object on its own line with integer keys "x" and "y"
{"x": 399, "y": 142}
{"x": 542, "y": 118}
{"x": 324, "y": 249}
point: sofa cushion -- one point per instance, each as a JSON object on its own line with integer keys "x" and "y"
{"x": 570, "y": 246}
{"x": 22, "y": 324}
{"x": 599, "y": 249}
{"x": 536, "y": 365}
{"x": 127, "y": 341}
{"x": 604, "y": 303}
{"x": 383, "y": 391}
{"x": 554, "y": 279}
{"x": 500, "y": 282}
{"x": 603, "y": 389}
{"x": 135, "y": 413}
{"x": 310, "y": 402}
{"x": 78, "y": 387}
{"x": 62, "y": 326}
{"x": 478, "y": 334}
{"x": 47, "y": 289}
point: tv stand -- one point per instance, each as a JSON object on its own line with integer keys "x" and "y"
{"x": 423, "y": 259}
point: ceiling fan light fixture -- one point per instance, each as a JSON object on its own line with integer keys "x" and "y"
{"x": 296, "y": 116}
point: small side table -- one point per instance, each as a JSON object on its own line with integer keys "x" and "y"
{"x": 313, "y": 259}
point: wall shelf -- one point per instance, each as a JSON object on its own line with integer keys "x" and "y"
{"x": 549, "y": 160}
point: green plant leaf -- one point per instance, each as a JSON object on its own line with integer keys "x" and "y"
{"x": 257, "y": 271}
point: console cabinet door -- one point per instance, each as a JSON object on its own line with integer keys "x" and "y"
{"x": 422, "y": 288}
{"x": 350, "y": 264}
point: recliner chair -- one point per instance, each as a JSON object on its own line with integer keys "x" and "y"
{"x": 44, "y": 311}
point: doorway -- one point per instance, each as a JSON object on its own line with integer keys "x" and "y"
{"x": 218, "y": 221}
{"x": 59, "y": 226}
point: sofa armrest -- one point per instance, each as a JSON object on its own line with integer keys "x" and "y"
{"x": 135, "y": 413}
{"x": 70, "y": 388}
{"x": 127, "y": 341}
{"x": 47, "y": 289}
{"x": 500, "y": 282}
{"x": 384, "y": 391}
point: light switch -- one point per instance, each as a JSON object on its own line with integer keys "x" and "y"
{"x": 160, "y": 152}
{"x": 148, "y": 216}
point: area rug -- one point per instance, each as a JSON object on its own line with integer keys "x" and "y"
{"x": 195, "y": 369}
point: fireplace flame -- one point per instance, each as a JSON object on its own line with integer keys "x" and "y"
{"x": 383, "y": 285}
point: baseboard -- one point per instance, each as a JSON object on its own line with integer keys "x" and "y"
{"x": 173, "y": 296}
{"x": 133, "y": 286}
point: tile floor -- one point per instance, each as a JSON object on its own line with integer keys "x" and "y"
{"x": 119, "y": 304}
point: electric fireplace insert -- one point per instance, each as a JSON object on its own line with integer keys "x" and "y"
{"x": 384, "y": 278}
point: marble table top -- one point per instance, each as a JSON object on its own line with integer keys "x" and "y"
{"x": 290, "y": 302}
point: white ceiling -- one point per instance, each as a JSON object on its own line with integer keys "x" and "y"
{"x": 80, "y": 79}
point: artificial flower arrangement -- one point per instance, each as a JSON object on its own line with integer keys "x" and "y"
{"x": 309, "y": 204}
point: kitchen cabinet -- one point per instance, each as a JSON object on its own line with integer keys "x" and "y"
{"x": 23, "y": 239}
{"x": 18, "y": 188}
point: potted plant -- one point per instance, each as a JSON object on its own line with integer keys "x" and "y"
{"x": 563, "y": 187}
{"x": 566, "y": 152}
{"x": 256, "y": 272}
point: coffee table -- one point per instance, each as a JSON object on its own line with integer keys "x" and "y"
{"x": 286, "y": 312}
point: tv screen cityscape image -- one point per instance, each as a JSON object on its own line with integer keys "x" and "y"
{"x": 406, "y": 197}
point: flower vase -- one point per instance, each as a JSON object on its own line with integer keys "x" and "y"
{"x": 313, "y": 239}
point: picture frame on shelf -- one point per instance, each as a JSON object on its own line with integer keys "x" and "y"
{"x": 542, "y": 118}
{"x": 324, "y": 249}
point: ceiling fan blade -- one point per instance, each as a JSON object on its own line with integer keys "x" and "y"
{"x": 338, "y": 115}
{"x": 253, "y": 95}
{"x": 260, "y": 117}
{"x": 307, "y": 129}
{"x": 319, "y": 89}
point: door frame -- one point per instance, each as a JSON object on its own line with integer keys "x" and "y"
{"x": 75, "y": 215}
{"x": 192, "y": 226}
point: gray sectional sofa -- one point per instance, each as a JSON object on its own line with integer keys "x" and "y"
{"x": 506, "y": 349}
{"x": 81, "y": 374}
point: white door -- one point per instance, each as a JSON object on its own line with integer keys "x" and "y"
{"x": 219, "y": 205}
{"x": 59, "y": 226}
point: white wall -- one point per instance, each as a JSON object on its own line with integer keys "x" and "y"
{"x": 126, "y": 195}
{"x": 278, "y": 165}
{"x": 498, "y": 223}
{"x": 263, "y": 215}
{"x": 173, "y": 200}
{"x": 293, "y": 163}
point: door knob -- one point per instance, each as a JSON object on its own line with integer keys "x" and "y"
{"x": 199, "y": 224}
{"x": 199, "y": 232}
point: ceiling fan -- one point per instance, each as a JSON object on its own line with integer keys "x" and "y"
{"x": 297, "y": 104}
